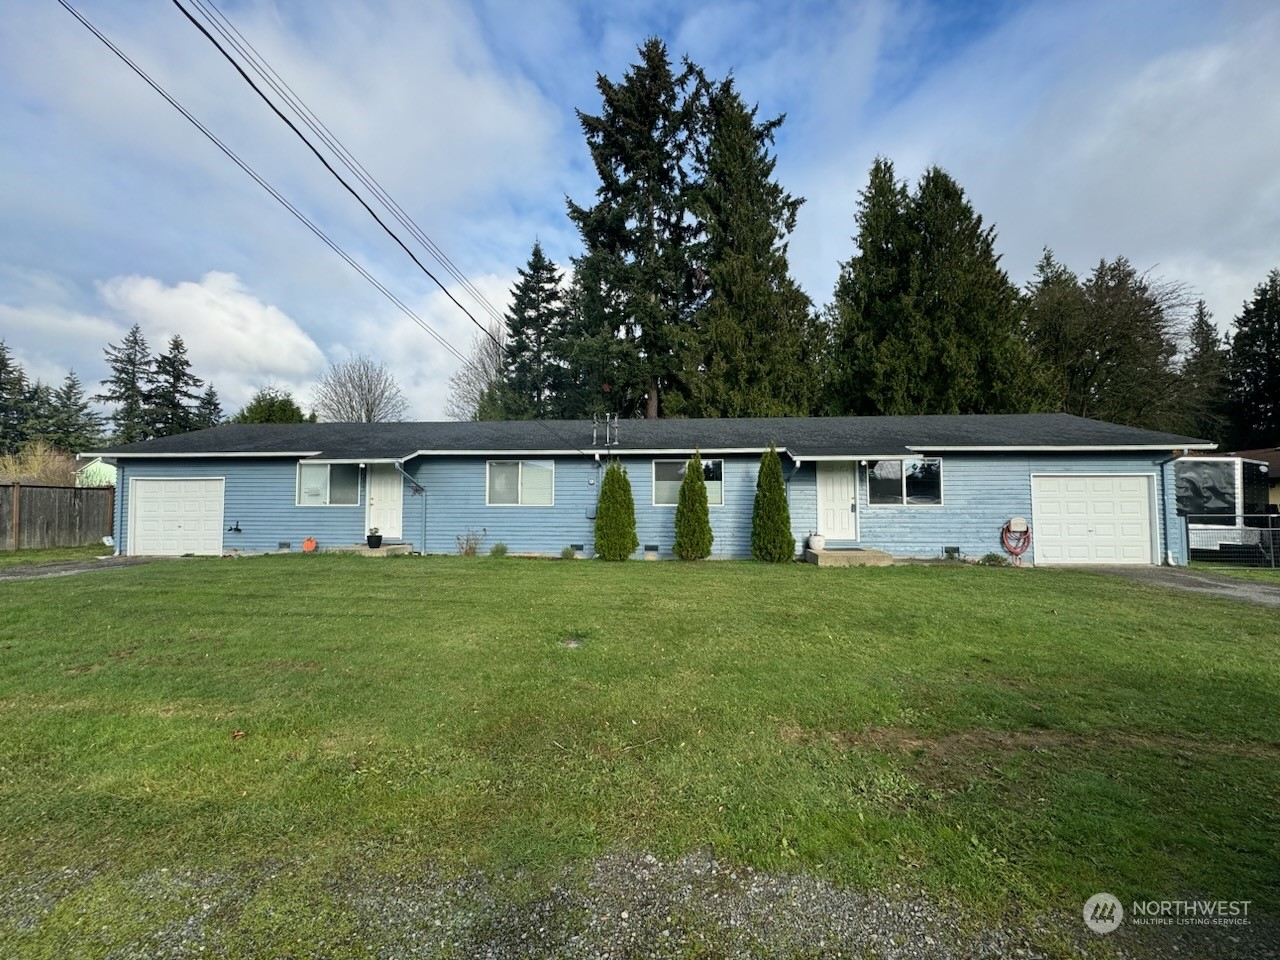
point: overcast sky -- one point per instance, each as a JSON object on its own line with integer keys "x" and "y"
{"x": 1148, "y": 129}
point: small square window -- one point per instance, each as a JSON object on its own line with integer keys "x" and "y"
{"x": 521, "y": 483}
{"x": 669, "y": 474}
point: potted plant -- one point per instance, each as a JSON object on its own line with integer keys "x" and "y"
{"x": 374, "y": 539}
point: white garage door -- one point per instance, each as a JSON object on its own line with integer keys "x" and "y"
{"x": 175, "y": 517}
{"x": 1091, "y": 519}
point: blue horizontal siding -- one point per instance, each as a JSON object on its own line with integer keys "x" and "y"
{"x": 980, "y": 493}
{"x": 259, "y": 497}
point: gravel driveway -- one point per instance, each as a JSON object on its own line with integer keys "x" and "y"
{"x": 620, "y": 906}
{"x": 1200, "y": 581}
{"x": 40, "y": 571}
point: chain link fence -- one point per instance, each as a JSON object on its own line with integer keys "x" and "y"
{"x": 1235, "y": 540}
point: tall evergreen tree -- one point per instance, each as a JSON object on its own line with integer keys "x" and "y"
{"x": 637, "y": 272}
{"x": 172, "y": 399}
{"x": 1204, "y": 378}
{"x": 1255, "y": 368}
{"x": 208, "y": 411}
{"x": 127, "y": 385}
{"x": 1110, "y": 343}
{"x": 927, "y": 321}
{"x": 751, "y": 349}
{"x": 76, "y": 425}
{"x": 535, "y": 326}
{"x": 14, "y": 411}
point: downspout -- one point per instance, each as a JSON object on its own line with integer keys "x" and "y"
{"x": 422, "y": 492}
{"x": 786, "y": 482}
{"x": 1164, "y": 513}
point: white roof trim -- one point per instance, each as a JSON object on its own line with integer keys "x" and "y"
{"x": 590, "y": 450}
{"x": 832, "y": 457}
{"x": 1056, "y": 448}
{"x": 203, "y": 456}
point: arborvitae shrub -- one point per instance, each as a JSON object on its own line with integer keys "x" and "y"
{"x": 616, "y": 515}
{"x": 693, "y": 519}
{"x": 771, "y": 538}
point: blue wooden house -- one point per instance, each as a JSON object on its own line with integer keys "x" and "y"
{"x": 913, "y": 486}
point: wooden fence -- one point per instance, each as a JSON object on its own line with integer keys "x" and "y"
{"x": 34, "y": 517}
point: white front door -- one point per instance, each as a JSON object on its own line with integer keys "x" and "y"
{"x": 1092, "y": 519}
{"x": 385, "y": 500}
{"x": 837, "y": 500}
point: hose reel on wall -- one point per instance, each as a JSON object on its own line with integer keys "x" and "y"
{"x": 1016, "y": 537}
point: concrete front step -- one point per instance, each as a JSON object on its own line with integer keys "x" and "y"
{"x": 851, "y": 557}
{"x": 364, "y": 550}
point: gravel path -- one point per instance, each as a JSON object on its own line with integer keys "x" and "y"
{"x": 619, "y": 906}
{"x": 1200, "y": 581}
{"x": 40, "y": 571}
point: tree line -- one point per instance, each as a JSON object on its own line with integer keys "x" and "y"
{"x": 683, "y": 304}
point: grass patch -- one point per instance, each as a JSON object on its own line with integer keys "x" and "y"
{"x": 18, "y": 558}
{"x": 973, "y": 733}
{"x": 1262, "y": 575}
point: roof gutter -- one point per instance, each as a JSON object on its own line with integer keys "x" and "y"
{"x": 1061, "y": 448}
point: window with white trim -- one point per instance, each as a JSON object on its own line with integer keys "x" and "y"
{"x": 669, "y": 474}
{"x": 328, "y": 485}
{"x": 520, "y": 483}
{"x": 910, "y": 481}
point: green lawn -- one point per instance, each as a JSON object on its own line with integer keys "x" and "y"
{"x": 1243, "y": 573}
{"x": 985, "y": 735}
{"x": 13, "y": 558}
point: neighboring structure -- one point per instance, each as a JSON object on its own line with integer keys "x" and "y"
{"x": 1093, "y": 492}
{"x": 1271, "y": 457}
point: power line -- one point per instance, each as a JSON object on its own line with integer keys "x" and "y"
{"x": 262, "y": 67}
{"x": 328, "y": 166}
{"x": 329, "y": 242}
{"x": 309, "y": 224}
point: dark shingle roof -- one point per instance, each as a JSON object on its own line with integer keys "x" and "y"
{"x": 800, "y": 436}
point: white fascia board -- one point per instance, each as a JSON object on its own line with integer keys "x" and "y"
{"x": 588, "y": 451}
{"x": 835, "y": 457}
{"x": 205, "y": 456}
{"x": 316, "y": 458}
{"x": 1052, "y": 448}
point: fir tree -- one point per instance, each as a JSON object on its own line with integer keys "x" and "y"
{"x": 771, "y": 537}
{"x": 928, "y": 322}
{"x": 14, "y": 412}
{"x": 616, "y": 515}
{"x": 208, "y": 411}
{"x": 172, "y": 398}
{"x": 76, "y": 426}
{"x": 1204, "y": 378}
{"x": 693, "y": 518}
{"x": 535, "y": 325}
{"x": 751, "y": 350}
{"x": 131, "y": 370}
{"x": 637, "y": 272}
{"x": 1255, "y": 368}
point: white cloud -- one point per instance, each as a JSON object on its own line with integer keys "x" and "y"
{"x": 234, "y": 339}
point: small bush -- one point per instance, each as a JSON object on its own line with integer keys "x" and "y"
{"x": 568, "y": 553}
{"x": 499, "y": 549}
{"x": 469, "y": 542}
{"x": 994, "y": 560}
{"x": 616, "y": 515}
{"x": 771, "y": 537}
{"x": 693, "y": 518}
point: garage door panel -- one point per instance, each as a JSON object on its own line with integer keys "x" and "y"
{"x": 176, "y": 517}
{"x": 1092, "y": 519}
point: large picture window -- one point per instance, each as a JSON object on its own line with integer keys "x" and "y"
{"x": 521, "y": 483}
{"x": 328, "y": 485}
{"x": 669, "y": 474}
{"x": 910, "y": 481}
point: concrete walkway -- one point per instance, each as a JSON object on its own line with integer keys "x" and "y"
{"x": 1200, "y": 581}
